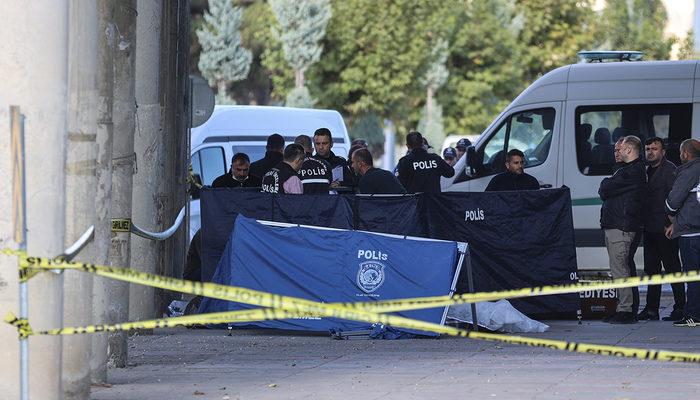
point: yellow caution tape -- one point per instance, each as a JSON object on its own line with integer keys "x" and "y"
{"x": 284, "y": 307}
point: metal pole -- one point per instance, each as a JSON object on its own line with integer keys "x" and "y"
{"x": 470, "y": 280}
{"x": 20, "y": 214}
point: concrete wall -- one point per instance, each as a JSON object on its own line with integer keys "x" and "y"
{"x": 34, "y": 50}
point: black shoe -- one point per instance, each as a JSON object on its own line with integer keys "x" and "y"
{"x": 623, "y": 317}
{"x": 688, "y": 321}
{"x": 648, "y": 315}
{"x": 609, "y": 317}
{"x": 675, "y": 316}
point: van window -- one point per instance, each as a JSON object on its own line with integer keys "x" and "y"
{"x": 208, "y": 164}
{"x": 528, "y": 131}
{"x": 599, "y": 127}
{"x": 254, "y": 152}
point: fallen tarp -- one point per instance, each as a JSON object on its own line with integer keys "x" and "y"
{"x": 333, "y": 266}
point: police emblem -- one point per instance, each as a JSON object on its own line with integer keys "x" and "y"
{"x": 370, "y": 276}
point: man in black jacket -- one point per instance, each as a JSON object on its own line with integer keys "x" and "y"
{"x": 420, "y": 171}
{"x": 374, "y": 180}
{"x": 239, "y": 175}
{"x": 283, "y": 177}
{"x": 683, "y": 204}
{"x": 621, "y": 217}
{"x": 340, "y": 172}
{"x": 514, "y": 178}
{"x": 658, "y": 248}
{"x": 273, "y": 156}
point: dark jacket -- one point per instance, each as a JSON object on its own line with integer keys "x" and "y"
{"x": 274, "y": 179}
{"x": 420, "y": 171}
{"x": 379, "y": 181}
{"x": 658, "y": 187}
{"x": 683, "y": 201}
{"x": 512, "y": 181}
{"x": 265, "y": 164}
{"x": 315, "y": 175}
{"x": 226, "y": 180}
{"x": 338, "y": 162}
{"x": 623, "y": 198}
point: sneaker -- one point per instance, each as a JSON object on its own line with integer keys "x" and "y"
{"x": 688, "y": 321}
{"x": 648, "y": 315}
{"x": 676, "y": 315}
{"x": 623, "y": 317}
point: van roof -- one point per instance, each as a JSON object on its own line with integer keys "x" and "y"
{"x": 262, "y": 121}
{"x": 622, "y": 80}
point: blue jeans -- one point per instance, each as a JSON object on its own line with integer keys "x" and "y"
{"x": 690, "y": 258}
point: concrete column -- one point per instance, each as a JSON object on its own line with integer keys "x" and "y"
{"x": 81, "y": 184}
{"x": 34, "y": 50}
{"x": 123, "y": 168}
{"x": 148, "y": 198}
{"x": 103, "y": 173}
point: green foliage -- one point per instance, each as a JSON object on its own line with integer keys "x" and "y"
{"x": 687, "y": 48}
{"x": 437, "y": 72}
{"x": 223, "y": 59}
{"x": 637, "y": 25}
{"x": 431, "y": 125}
{"x": 302, "y": 25}
{"x": 552, "y": 32}
{"x": 369, "y": 127}
{"x": 375, "y": 56}
{"x": 299, "y": 97}
{"x": 485, "y": 66}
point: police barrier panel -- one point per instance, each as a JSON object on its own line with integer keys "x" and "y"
{"x": 332, "y": 266}
{"x": 286, "y": 307}
{"x": 518, "y": 239}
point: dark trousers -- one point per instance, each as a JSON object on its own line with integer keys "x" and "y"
{"x": 690, "y": 256}
{"x": 633, "y": 269}
{"x": 658, "y": 251}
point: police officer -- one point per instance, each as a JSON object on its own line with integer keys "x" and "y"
{"x": 420, "y": 171}
{"x": 283, "y": 177}
{"x": 323, "y": 142}
{"x": 450, "y": 156}
{"x": 273, "y": 156}
{"x": 315, "y": 174}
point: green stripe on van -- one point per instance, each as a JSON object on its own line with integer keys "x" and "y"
{"x": 591, "y": 201}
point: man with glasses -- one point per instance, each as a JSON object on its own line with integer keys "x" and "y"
{"x": 514, "y": 178}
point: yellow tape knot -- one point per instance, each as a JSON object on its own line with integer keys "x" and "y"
{"x": 21, "y": 324}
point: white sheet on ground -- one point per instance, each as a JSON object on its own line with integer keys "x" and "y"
{"x": 499, "y": 316}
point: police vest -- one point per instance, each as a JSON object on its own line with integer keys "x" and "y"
{"x": 274, "y": 180}
{"x": 315, "y": 176}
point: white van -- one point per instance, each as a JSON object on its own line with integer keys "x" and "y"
{"x": 234, "y": 129}
{"x": 567, "y": 122}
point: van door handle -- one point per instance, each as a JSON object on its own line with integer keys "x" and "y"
{"x": 545, "y": 186}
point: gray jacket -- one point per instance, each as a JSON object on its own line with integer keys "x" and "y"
{"x": 659, "y": 186}
{"x": 683, "y": 199}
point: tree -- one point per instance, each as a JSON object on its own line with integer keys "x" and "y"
{"x": 486, "y": 66}
{"x": 687, "y": 48}
{"x": 302, "y": 25}
{"x": 552, "y": 32}
{"x": 369, "y": 127}
{"x": 430, "y": 124}
{"x": 637, "y": 25}
{"x": 223, "y": 59}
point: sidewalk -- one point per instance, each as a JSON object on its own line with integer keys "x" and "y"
{"x": 208, "y": 364}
